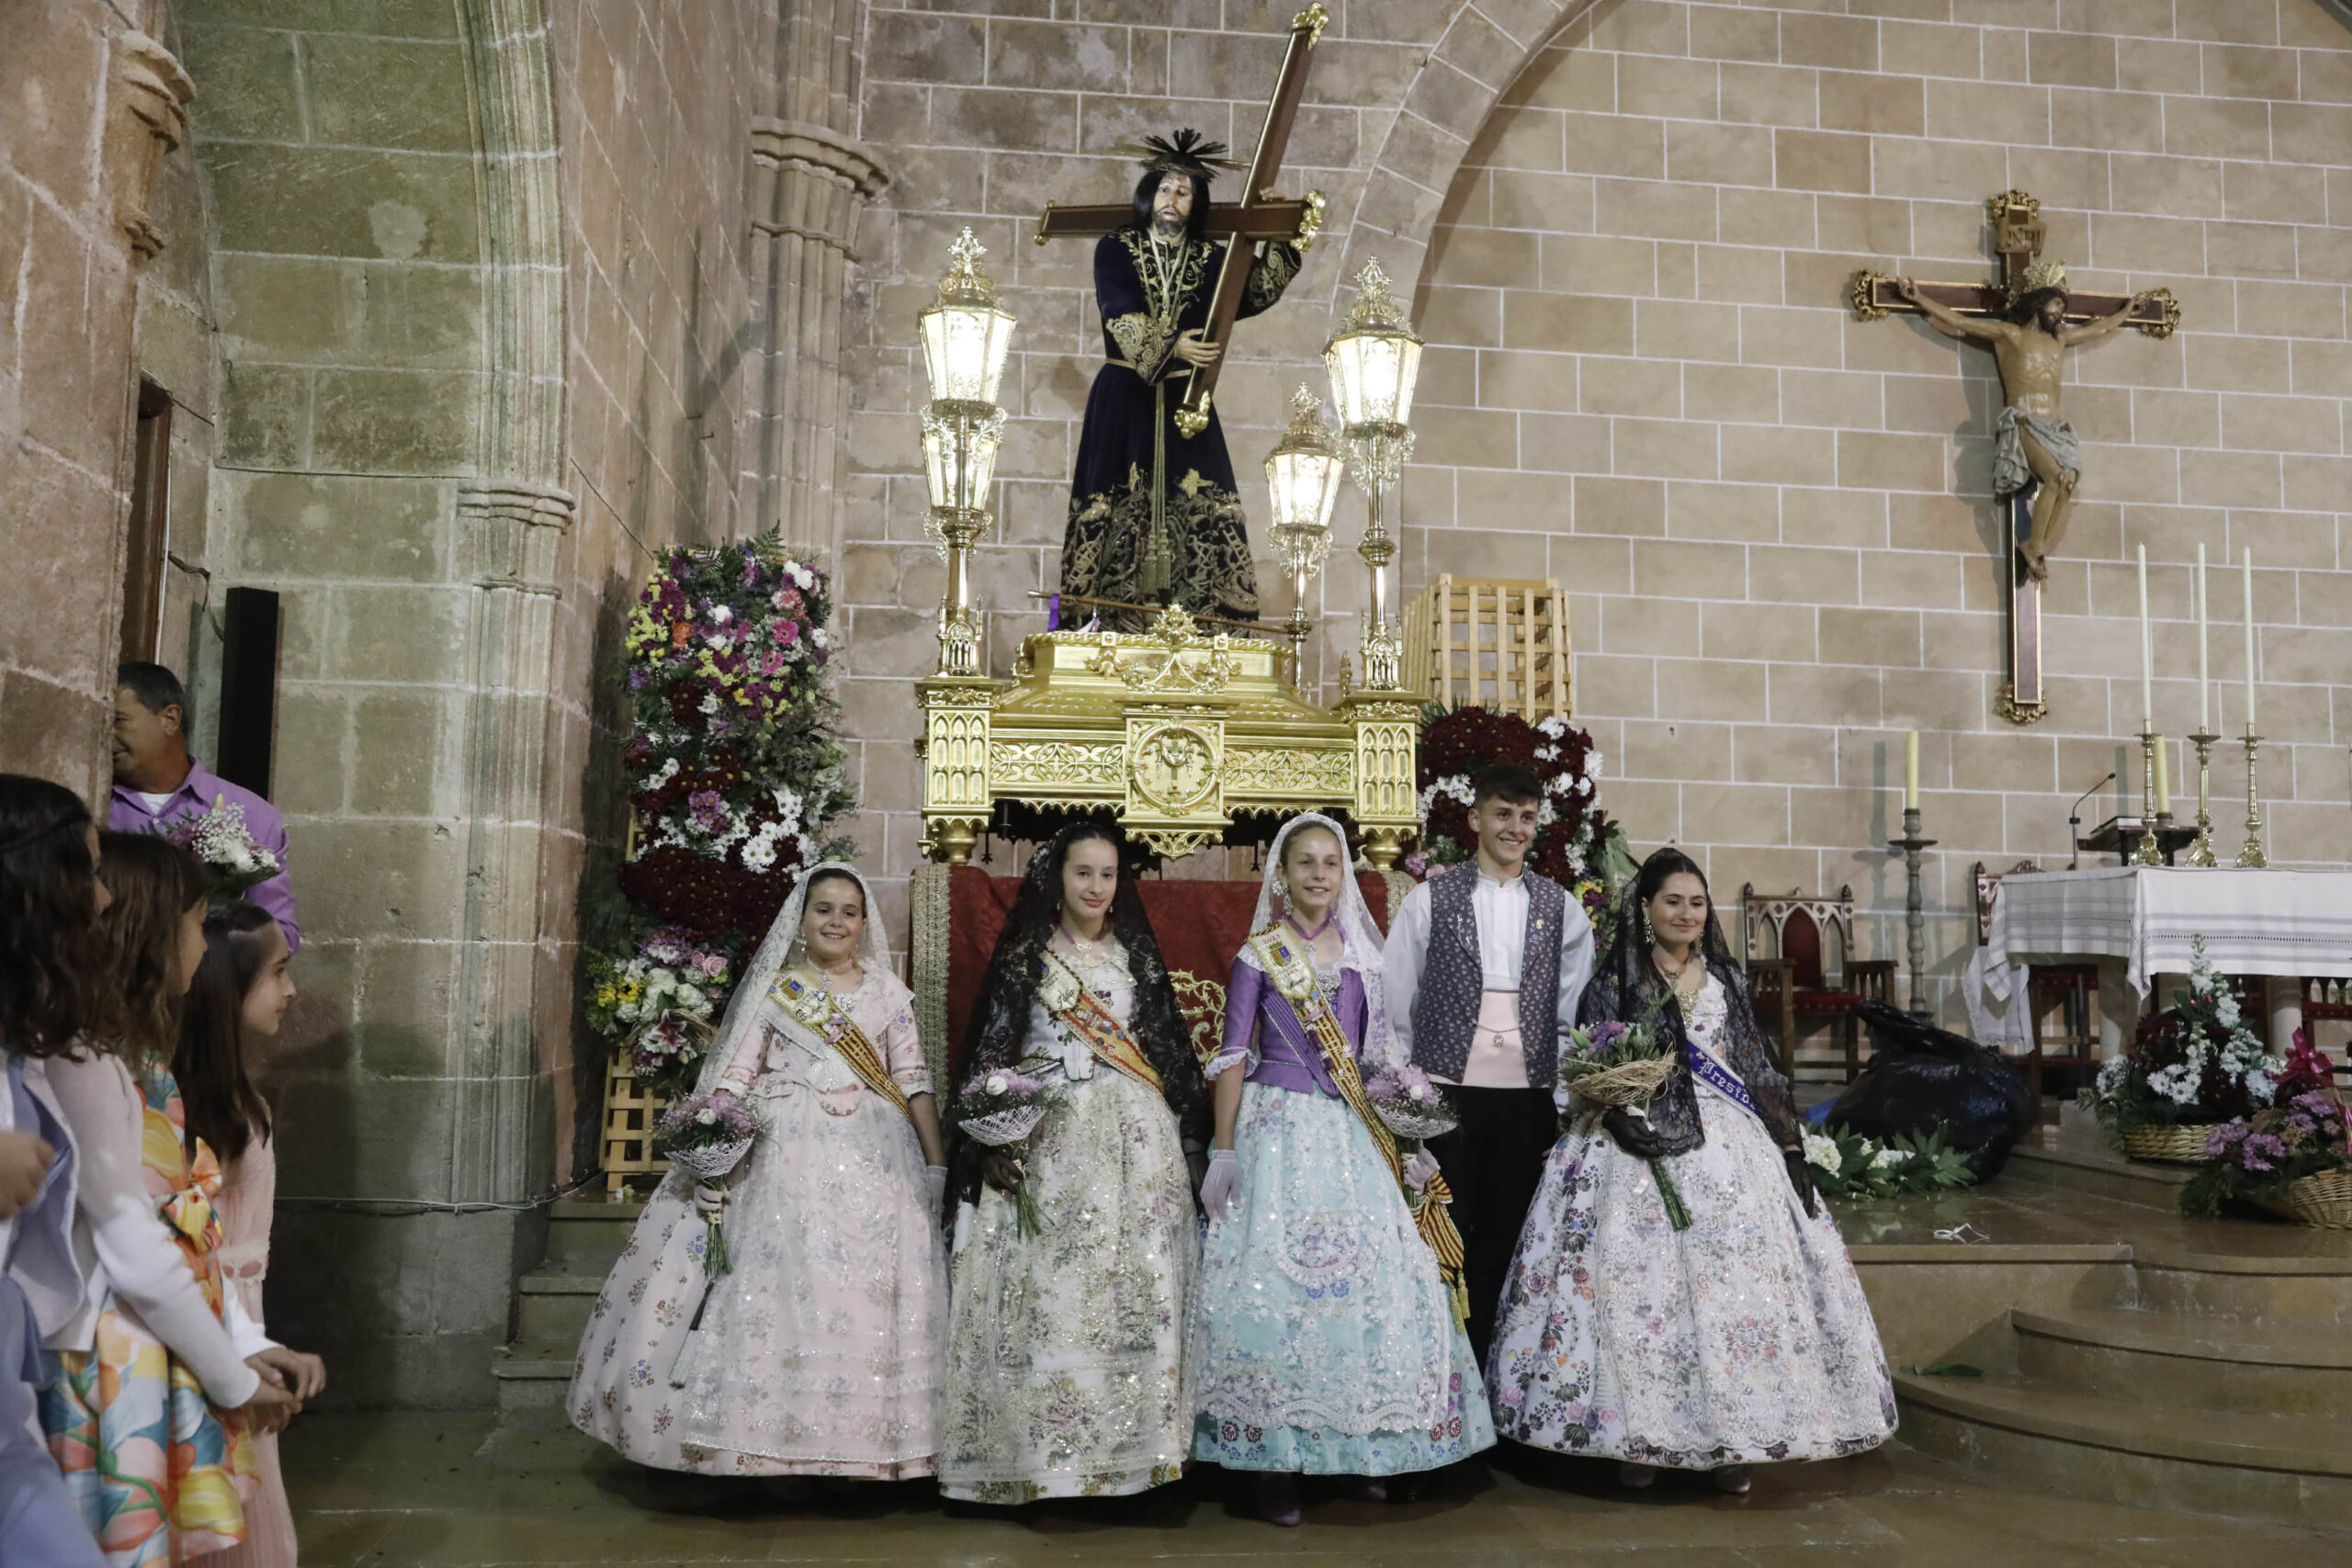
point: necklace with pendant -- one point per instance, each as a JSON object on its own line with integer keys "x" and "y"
{"x": 1095, "y": 956}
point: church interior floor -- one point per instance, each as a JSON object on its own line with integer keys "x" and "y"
{"x": 451, "y": 1489}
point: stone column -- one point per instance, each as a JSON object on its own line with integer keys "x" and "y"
{"x": 817, "y": 182}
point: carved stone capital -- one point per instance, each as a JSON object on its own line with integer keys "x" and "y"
{"x": 822, "y": 180}
{"x": 154, "y": 93}
{"x": 511, "y": 532}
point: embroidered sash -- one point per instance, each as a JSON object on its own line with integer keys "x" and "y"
{"x": 1080, "y": 1011}
{"x": 824, "y": 1016}
{"x": 1715, "y": 1076}
{"x": 1292, "y": 973}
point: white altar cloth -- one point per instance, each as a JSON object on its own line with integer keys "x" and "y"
{"x": 2254, "y": 922}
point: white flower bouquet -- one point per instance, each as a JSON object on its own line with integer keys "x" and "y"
{"x": 233, "y": 860}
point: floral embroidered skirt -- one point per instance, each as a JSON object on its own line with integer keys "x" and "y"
{"x": 1065, "y": 1353}
{"x": 1322, "y": 1340}
{"x": 819, "y": 1354}
{"x": 159, "y": 1476}
{"x": 1744, "y": 1339}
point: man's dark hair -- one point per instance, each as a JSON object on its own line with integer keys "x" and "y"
{"x": 1196, "y": 223}
{"x": 155, "y": 687}
{"x": 2030, "y": 307}
{"x": 1506, "y": 781}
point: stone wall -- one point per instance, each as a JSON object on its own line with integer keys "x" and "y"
{"x": 1628, "y": 229}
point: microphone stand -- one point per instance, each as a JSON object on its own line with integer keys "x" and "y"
{"x": 2075, "y": 821}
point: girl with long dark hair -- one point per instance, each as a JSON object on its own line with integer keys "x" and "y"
{"x": 1064, "y": 1357}
{"x": 1741, "y": 1339}
{"x": 50, "y": 995}
{"x": 239, "y": 999}
{"x": 165, "y": 1377}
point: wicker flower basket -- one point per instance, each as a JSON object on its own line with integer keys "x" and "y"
{"x": 1627, "y": 1083}
{"x": 2323, "y": 1201}
{"x": 2182, "y": 1143}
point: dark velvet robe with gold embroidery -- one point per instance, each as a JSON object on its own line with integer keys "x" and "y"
{"x": 1131, "y": 450}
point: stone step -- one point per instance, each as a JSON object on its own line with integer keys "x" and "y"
{"x": 2293, "y": 1469}
{"x": 552, "y": 1307}
{"x": 2296, "y": 1274}
{"x": 2285, "y": 1369}
{"x": 532, "y": 1378}
{"x": 2080, "y": 1163}
{"x": 585, "y": 1238}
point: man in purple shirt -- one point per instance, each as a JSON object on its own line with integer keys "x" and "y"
{"x": 156, "y": 782}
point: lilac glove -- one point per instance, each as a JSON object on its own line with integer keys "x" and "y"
{"x": 1419, "y": 1168}
{"x": 1218, "y": 1189}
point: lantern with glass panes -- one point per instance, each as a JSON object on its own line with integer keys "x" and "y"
{"x": 965, "y": 335}
{"x": 1374, "y": 359}
{"x": 1303, "y": 481}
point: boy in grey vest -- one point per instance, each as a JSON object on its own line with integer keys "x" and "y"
{"x": 1485, "y": 963}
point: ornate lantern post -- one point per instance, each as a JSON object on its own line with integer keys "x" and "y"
{"x": 1374, "y": 359}
{"x": 1303, "y": 481}
{"x": 965, "y": 335}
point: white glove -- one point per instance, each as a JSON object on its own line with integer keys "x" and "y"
{"x": 1220, "y": 1187}
{"x": 709, "y": 1197}
{"x": 1420, "y": 1169}
{"x": 934, "y": 1187}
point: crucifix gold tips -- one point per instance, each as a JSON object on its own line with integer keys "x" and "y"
{"x": 1313, "y": 19}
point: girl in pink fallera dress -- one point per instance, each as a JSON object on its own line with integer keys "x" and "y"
{"x": 819, "y": 1347}
{"x": 239, "y": 1000}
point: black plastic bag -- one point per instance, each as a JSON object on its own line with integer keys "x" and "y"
{"x": 1920, "y": 1077}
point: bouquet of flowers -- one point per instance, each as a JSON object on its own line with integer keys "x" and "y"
{"x": 660, "y": 1002}
{"x": 1001, "y": 1108}
{"x": 707, "y": 1136}
{"x": 1614, "y": 1063}
{"x": 232, "y": 859}
{"x": 2195, "y": 1062}
{"x": 1408, "y": 1104}
{"x": 2257, "y": 1157}
{"x": 1847, "y": 1165}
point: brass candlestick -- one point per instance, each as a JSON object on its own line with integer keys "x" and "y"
{"x": 2150, "y": 851}
{"x": 2201, "y": 851}
{"x": 2251, "y": 855}
{"x": 1914, "y": 911}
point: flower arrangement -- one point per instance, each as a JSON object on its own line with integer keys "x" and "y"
{"x": 733, "y": 775}
{"x": 1001, "y": 1108}
{"x": 1847, "y": 1165}
{"x": 707, "y": 1136}
{"x": 1616, "y": 1062}
{"x": 2255, "y": 1158}
{"x": 2193, "y": 1062}
{"x": 232, "y": 859}
{"x": 1576, "y": 843}
{"x": 1408, "y": 1104}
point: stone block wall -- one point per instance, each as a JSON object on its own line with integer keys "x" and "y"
{"x": 1627, "y": 229}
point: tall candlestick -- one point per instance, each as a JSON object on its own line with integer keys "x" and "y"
{"x": 2204, "y": 657}
{"x": 2163, "y": 776}
{"x": 2147, "y": 655}
{"x": 2248, "y": 561}
{"x": 1911, "y": 771}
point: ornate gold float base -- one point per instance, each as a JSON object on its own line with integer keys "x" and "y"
{"x": 1180, "y": 733}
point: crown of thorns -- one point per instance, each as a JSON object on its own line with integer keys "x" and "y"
{"x": 2041, "y": 277}
{"x": 1187, "y": 152}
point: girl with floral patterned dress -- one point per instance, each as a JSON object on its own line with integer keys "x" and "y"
{"x": 1324, "y": 1340}
{"x": 1742, "y": 1339}
{"x": 165, "y": 1375}
{"x": 819, "y": 1350}
{"x": 1066, "y": 1349}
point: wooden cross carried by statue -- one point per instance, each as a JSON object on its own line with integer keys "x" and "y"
{"x": 2028, "y": 318}
{"x": 1248, "y": 225}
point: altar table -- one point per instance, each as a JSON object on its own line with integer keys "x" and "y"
{"x": 2140, "y": 921}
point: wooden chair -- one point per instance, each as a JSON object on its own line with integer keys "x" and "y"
{"x": 1788, "y": 941}
{"x": 2062, "y": 1000}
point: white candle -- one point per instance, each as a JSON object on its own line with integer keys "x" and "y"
{"x": 1911, "y": 771}
{"x": 2147, "y": 654}
{"x": 2248, "y": 562}
{"x": 2204, "y": 660}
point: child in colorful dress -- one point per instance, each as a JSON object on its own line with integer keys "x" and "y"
{"x": 239, "y": 998}
{"x": 819, "y": 1351}
{"x": 165, "y": 1375}
{"x": 1324, "y": 1340}
{"x": 1075, "y": 1245}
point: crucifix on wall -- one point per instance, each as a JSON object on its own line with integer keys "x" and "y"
{"x": 2028, "y": 318}
{"x": 1156, "y": 515}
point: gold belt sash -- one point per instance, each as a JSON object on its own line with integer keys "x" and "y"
{"x": 1079, "y": 1011}
{"x": 822, "y": 1013}
{"x": 1292, "y": 973}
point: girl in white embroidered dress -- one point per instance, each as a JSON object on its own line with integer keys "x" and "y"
{"x": 818, "y": 1352}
